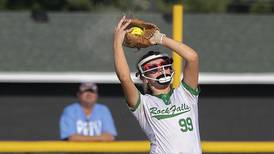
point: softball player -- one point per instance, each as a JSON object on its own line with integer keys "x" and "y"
{"x": 169, "y": 117}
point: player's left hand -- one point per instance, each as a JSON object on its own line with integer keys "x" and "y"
{"x": 144, "y": 31}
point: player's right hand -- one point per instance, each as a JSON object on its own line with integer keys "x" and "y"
{"x": 120, "y": 30}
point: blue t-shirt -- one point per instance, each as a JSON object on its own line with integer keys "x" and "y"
{"x": 74, "y": 121}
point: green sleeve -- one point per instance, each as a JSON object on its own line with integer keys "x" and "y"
{"x": 194, "y": 92}
{"x": 137, "y": 104}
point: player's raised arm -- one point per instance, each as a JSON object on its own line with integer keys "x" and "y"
{"x": 120, "y": 63}
{"x": 191, "y": 67}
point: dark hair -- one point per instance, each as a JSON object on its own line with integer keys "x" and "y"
{"x": 146, "y": 89}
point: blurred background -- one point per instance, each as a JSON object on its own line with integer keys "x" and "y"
{"x": 48, "y": 47}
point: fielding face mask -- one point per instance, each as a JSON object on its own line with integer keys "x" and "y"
{"x": 163, "y": 67}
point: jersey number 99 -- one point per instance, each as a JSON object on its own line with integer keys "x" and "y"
{"x": 186, "y": 124}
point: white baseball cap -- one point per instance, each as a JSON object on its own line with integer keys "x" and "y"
{"x": 88, "y": 86}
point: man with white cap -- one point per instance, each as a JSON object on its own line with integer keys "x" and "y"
{"x": 87, "y": 120}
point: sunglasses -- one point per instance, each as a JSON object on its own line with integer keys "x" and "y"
{"x": 153, "y": 68}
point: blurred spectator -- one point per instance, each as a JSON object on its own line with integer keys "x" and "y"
{"x": 87, "y": 120}
{"x": 38, "y": 14}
